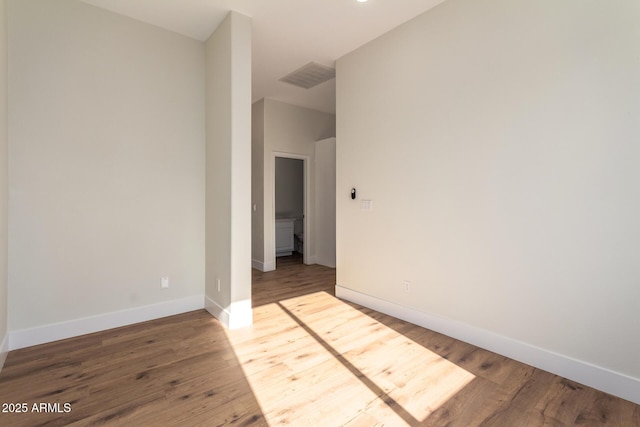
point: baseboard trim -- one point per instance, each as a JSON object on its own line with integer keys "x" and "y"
{"x": 600, "y": 378}
{"x": 4, "y": 350}
{"x": 262, "y": 266}
{"x": 216, "y": 311}
{"x": 239, "y": 315}
{"x": 87, "y": 325}
{"x": 269, "y": 265}
{"x": 258, "y": 265}
{"x": 326, "y": 264}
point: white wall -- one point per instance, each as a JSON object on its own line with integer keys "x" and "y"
{"x": 4, "y": 194}
{"x": 228, "y": 171}
{"x": 292, "y": 130}
{"x": 326, "y": 201}
{"x": 498, "y": 140}
{"x": 107, "y": 163}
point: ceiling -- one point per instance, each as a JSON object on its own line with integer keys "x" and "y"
{"x": 287, "y": 34}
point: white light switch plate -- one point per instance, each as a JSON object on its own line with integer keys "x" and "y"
{"x": 366, "y": 205}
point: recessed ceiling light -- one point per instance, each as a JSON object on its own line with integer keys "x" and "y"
{"x": 361, "y": 1}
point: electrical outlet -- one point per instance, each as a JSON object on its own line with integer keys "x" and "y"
{"x": 164, "y": 282}
{"x": 407, "y": 285}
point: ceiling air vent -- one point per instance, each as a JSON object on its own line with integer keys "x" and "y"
{"x": 310, "y": 75}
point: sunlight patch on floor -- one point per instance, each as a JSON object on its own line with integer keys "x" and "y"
{"x": 315, "y": 359}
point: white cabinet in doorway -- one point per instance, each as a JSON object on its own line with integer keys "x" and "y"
{"x": 284, "y": 236}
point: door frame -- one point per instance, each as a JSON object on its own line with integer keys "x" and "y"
{"x": 307, "y": 218}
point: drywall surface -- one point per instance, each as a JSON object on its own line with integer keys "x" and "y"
{"x": 106, "y": 131}
{"x": 497, "y": 140}
{"x": 326, "y": 201}
{"x": 228, "y": 171}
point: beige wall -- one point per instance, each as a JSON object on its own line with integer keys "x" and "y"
{"x": 4, "y": 196}
{"x": 498, "y": 140}
{"x": 228, "y": 171}
{"x": 107, "y": 163}
{"x": 291, "y": 130}
{"x": 326, "y": 201}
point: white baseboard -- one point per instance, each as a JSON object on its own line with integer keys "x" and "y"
{"x": 4, "y": 350}
{"x": 600, "y": 378}
{"x": 72, "y": 328}
{"x": 239, "y": 315}
{"x": 216, "y": 311}
{"x": 312, "y": 259}
{"x": 262, "y": 266}
{"x": 326, "y": 264}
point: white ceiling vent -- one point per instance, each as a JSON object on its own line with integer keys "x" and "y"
{"x": 310, "y": 75}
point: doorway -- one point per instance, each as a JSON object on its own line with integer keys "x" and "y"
{"x": 290, "y": 208}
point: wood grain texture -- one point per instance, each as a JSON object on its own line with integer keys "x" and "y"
{"x": 309, "y": 359}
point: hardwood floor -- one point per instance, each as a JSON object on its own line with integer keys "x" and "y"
{"x": 309, "y": 359}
